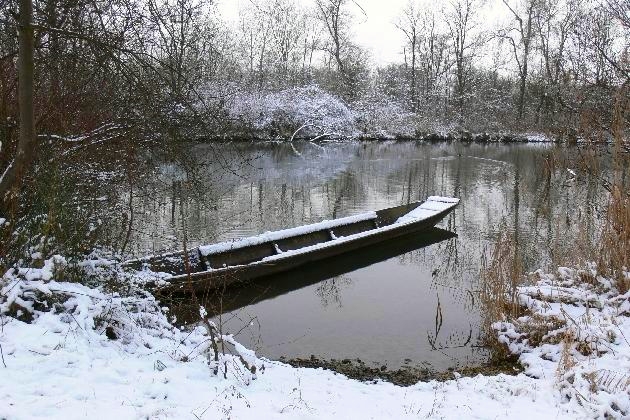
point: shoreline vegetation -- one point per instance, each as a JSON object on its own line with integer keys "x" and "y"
{"x": 464, "y": 137}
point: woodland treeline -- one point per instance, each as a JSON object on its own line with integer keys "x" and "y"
{"x": 547, "y": 65}
{"x": 149, "y": 71}
{"x": 88, "y": 87}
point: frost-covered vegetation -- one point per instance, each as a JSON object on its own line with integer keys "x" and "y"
{"x": 575, "y": 333}
{"x": 319, "y": 114}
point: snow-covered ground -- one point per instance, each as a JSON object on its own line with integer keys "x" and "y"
{"x": 576, "y": 335}
{"x": 63, "y": 365}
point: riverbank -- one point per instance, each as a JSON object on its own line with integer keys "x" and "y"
{"x": 72, "y": 351}
{"x": 311, "y": 112}
{"x": 407, "y": 375}
{"x": 432, "y": 137}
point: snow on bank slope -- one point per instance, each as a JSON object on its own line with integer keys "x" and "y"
{"x": 63, "y": 365}
{"x": 577, "y": 334}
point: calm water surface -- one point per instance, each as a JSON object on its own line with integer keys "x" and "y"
{"x": 416, "y": 308}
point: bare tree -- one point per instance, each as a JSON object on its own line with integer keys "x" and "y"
{"x": 555, "y": 24}
{"x": 461, "y": 20}
{"x": 311, "y": 42}
{"x": 336, "y": 18}
{"x": 180, "y": 38}
{"x": 597, "y": 34}
{"x": 620, "y": 10}
{"x": 286, "y": 30}
{"x": 409, "y": 23}
{"x": 521, "y": 37}
{"x": 433, "y": 56}
{"x": 11, "y": 178}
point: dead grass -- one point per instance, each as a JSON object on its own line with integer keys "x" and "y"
{"x": 614, "y": 256}
{"x": 500, "y": 277}
{"x": 567, "y": 361}
{"x": 540, "y": 330}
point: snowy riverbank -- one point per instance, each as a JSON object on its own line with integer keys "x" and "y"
{"x": 65, "y": 364}
{"x": 309, "y": 112}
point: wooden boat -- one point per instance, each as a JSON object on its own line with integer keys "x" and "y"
{"x": 223, "y": 264}
{"x": 220, "y": 301}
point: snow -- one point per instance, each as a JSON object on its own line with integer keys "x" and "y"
{"x": 585, "y": 347}
{"x": 6, "y": 170}
{"x": 328, "y": 244}
{"x": 335, "y": 241}
{"x": 538, "y": 138}
{"x": 312, "y": 111}
{"x": 430, "y": 207}
{"x": 62, "y": 365}
{"x": 443, "y": 199}
{"x": 433, "y": 204}
{"x": 292, "y": 108}
{"x": 58, "y": 370}
{"x": 206, "y": 250}
{"x": 46, "y": 272}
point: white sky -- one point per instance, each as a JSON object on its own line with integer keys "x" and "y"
{"x": 376, "y": 32}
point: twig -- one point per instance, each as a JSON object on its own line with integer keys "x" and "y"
{"x": 214, "y": 347}
{"x": 299, "y": 129}
{"x": 2, "y": 355}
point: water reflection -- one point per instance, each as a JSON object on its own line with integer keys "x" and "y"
{"x": 386, "y": 311}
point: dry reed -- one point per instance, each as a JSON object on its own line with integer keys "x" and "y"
{"x": 614, "y": 255}
{"x": 500, "y": 277}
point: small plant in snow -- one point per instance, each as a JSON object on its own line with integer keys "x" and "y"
{"x": 242, "y": 363}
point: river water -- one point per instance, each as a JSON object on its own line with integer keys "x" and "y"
{"x": 410, "y": 302}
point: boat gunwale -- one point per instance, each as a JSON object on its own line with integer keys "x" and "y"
{"x": 278, "y": 235}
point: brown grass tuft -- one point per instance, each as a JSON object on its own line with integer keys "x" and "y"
{"x": 614, "y": 256}
{"x": 567, "y": 361}
{"x": 500, "y": 277}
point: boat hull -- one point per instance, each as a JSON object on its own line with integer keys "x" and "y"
{"x": 224, "y": 277}
{"x": 269, "y": 287}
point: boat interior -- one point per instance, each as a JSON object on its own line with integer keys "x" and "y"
{"x": 343, "y": 227}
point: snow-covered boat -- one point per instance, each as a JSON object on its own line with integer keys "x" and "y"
{"x": 211, "y": 266}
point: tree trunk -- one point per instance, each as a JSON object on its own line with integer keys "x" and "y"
{"x": 521, "y": 95}
{"x": 11, "y": 179}
{"x": 414, "y": 106}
